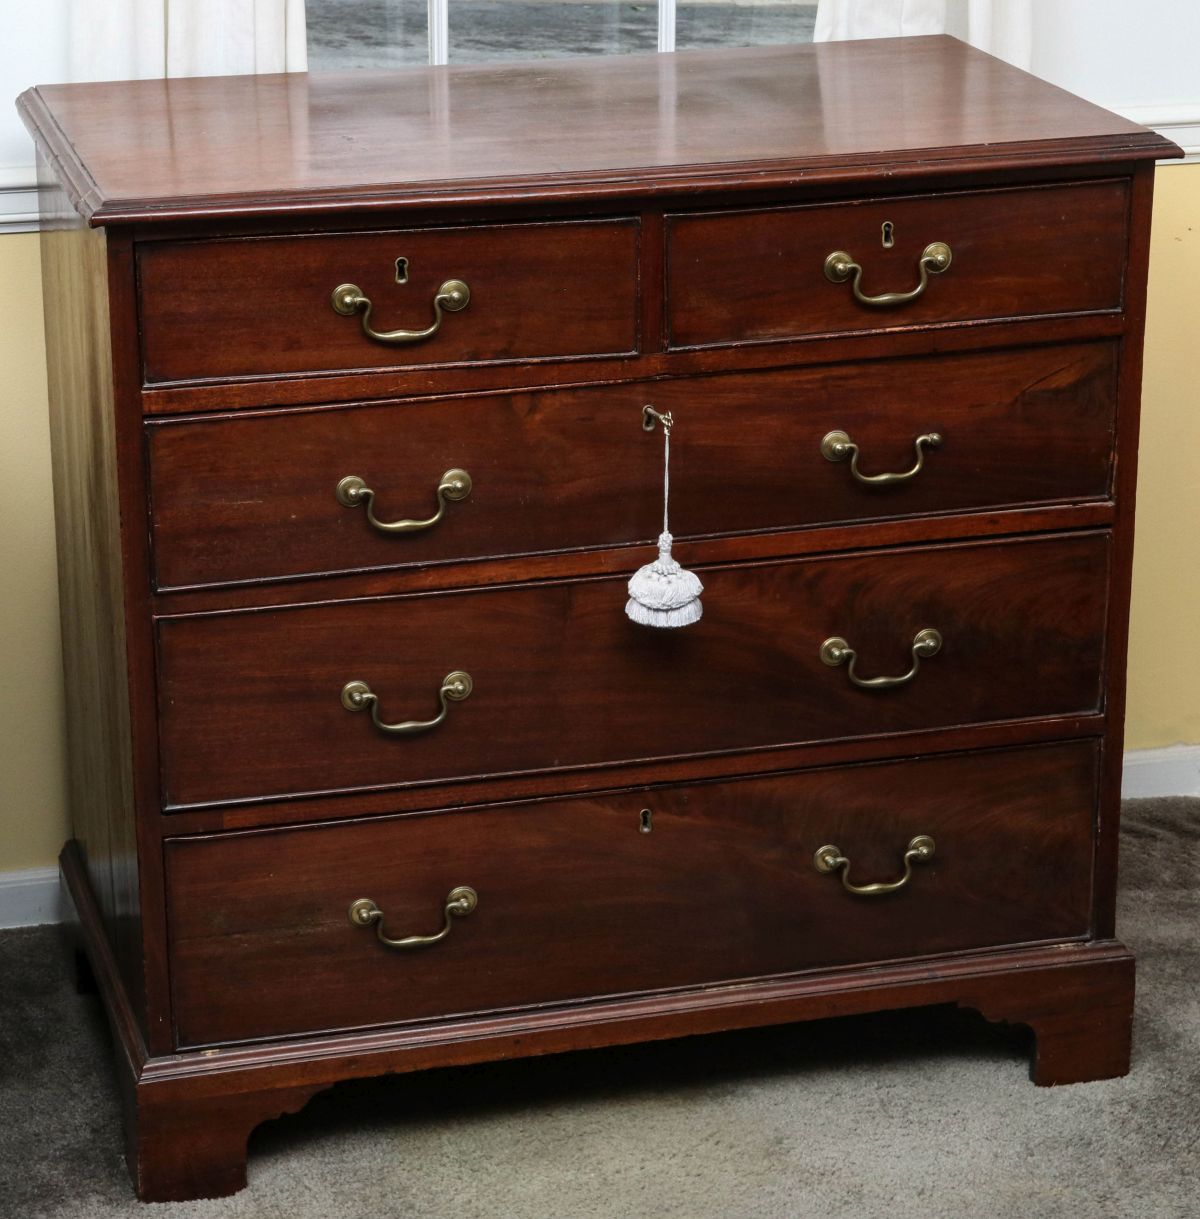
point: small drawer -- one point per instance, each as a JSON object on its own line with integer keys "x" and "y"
{"x": 620, "y": 893}
{"x": 253, "y": 307}
{"x": 255, "y": 496}
{"x": 783, "y": 273}
{"x": 261, "y": 703}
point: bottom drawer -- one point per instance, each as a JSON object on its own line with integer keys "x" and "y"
{"x": 592, "y": 896}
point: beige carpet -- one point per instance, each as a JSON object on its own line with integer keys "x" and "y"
{"x": 926, "y": 1114}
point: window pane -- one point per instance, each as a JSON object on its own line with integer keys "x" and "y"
{"x": 367, "y": 33}
{"x": 743, "y": 23}
{"x": 549, "y": 29}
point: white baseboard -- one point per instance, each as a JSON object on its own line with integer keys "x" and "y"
{"x": 1162, "y": 772}
{"x": 29, "y": 898}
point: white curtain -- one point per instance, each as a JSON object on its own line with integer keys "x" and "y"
{"x": 140, "y": 39}
{"x": 1001, "y": 27}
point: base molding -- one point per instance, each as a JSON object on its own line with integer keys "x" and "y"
{"x": 30, "y": 897}
{"x": 1174, "y": 771}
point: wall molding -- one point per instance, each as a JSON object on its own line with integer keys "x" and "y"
{"x": 18, "y": 199}
{"x": 1161, "y": 772}
{"x": 29, "y": 898}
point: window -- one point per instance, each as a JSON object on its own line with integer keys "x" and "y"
{"x": 482, "y": 30}
{"x": 346, "y": 34}
{"x": 719, "y": 23}
{"x": 367, "y": 33}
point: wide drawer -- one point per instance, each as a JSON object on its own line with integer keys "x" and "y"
{"x": 251, "y": 702}
{"x": 253, "y": 496}
{"x": 575, "y": 898}
{"x": 263, "y": 306}
{"x": 760, "y": 275}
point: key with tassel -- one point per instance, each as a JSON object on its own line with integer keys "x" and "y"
{"x": 662, "y": 593}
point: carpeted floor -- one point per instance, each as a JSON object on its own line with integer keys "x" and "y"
{"x": 925, "y": 1114}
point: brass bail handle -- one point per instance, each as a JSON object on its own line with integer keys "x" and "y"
{"x": 830, "y": 859}
{"x": 358, "y": 696}
{"x": 837, "y": 446}
{"x": 451, "y": 297}
{"x": 460, "y": 901}
{"x": 836, "y": 651}
{"x": 840, "y": 266}
{"x": 353, "y": 492}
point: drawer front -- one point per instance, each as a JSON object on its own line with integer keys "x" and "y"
{"x": 758, "y": 276}
{"x": 574, "y": 899}
{"x": 251, "y": 702}
{"x": 253, "y": 496}
{"x": 262, "y": 306}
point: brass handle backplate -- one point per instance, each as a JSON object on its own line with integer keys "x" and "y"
{"x": 840, "y": 266}
{"x": 837, "y": 446}
{"x": 460, "y": 902}
{"x": 836, "y": 651}
{"x": 830, "y": 859}
{"x": 353, "y": 491}
{"x": 358, "y": 696}
{"x": 451, "y": 297}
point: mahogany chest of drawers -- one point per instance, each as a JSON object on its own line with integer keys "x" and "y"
{"x": 370, "y": 771}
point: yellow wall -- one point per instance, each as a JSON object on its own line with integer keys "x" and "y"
{"x": 1164, "y": 680}
{"x": 32, "y": 815}
{"x": 1164, "y": 646}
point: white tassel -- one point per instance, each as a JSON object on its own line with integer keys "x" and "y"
{"x": 662, "y": 593}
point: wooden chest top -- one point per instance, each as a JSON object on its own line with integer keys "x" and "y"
{"x": 738, "y": 120}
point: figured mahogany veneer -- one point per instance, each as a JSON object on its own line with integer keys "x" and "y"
{"x": 611, "y": 908}
{"x": 260, "y": 306}
{"x": 252, "y": 496}
{"x": 634, "y": 230}
{"x": 562, "y": 679}
{"x": 734, "y": 276}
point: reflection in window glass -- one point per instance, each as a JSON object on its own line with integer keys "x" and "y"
{"x": 346, "y": 34}
{"x": 483, "y": 30}
{"x": 743, "y": 23}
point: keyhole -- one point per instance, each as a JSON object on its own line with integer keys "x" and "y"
{"x": 402, "y": 270}
{"x": 645, "y": 826}
{"x": 889, "y": 234}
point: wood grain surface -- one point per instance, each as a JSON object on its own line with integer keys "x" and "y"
{"x": 91, "y": 575}
{"x": 575, "y": 900}
{"x": 261, "y": 306}
{"x": 157, "y": 149}
{"x": 251, "y": 700}
{"x": 736, "y": 276}
{"x": 250, "y": 497}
